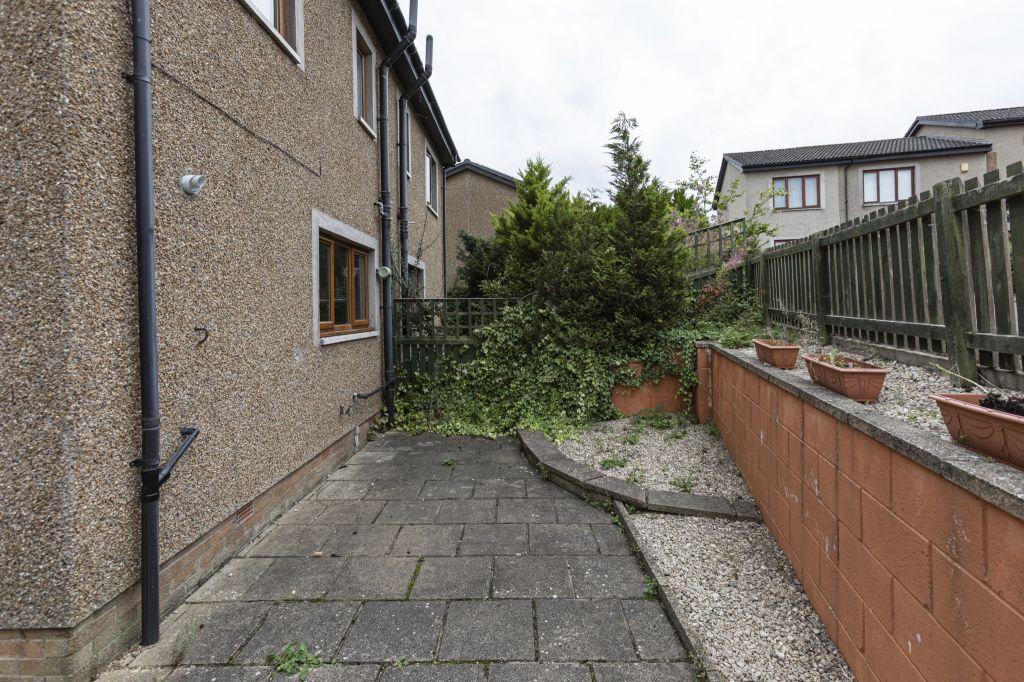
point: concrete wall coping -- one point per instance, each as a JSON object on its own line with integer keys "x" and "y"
{"x": 995, "y": 482}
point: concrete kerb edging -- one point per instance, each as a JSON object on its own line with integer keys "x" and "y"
{"x": 669, "y": 600}
{"x": 591, "y": 484}
{"x": 993, "y": 481}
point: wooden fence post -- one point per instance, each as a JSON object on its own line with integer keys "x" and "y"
{"x": 953, "y": 279}
{"x": 819, "y": 269}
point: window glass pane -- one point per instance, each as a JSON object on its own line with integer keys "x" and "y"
{"x": 324, "y": 281}
{"x": 360, "y": 83}
{"x": 811, "y": 191}
{"x": 359, "y": 286}
{"x": 905, "y": 178}
{"x": 266, "y": 8}
{"x": 870, "y": 188}
{"x": 780, "y": 184}
{"x": 426, "y": 177}
{"x": 340, "y": 284}
{"x": 886, "y": 186}
{"x": 796, "y": 193}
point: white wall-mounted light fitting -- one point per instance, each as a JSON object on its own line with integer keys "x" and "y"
{"x": 383, "y": 272}
{"x": 191, "y": 184}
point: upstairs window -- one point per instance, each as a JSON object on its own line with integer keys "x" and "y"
{"x": 888, "y": 185}
{"x": 363, "y": 66}
{"x": 799, "y": 191}
{"x": 280, "y": 15}
{"x": 431, "y": 178}
{"x": 343, "y": 282}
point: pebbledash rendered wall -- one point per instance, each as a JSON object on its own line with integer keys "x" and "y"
{"x": 909, "y": 548}
{"x": 472, "y": 200}
{"x": 277, "y": 141}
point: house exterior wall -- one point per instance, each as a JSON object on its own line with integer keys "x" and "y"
{"x": 1007, "y": 141}
{"x": 277, "y": 142}
{"x": 472, "y": 200}
{"x": 796, "y": 223}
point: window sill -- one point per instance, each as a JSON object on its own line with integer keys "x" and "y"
{"x": 342, "y": 338}
{"x": 796, "y": 210}
{"x": 367, "y": 127}
{"x": 432, "y": 210}
{"x": 278, "y": 38}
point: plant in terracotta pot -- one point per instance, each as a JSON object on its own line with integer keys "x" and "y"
{"x": 777, "y": 352}
{"x": 991, "y": 423}
{"x": 855, "y": 379}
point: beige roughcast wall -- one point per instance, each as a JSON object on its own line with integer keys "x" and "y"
{"x": 472, "y": 200}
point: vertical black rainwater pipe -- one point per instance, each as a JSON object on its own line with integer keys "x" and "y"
{"x": 153, "y": 474}
{"x": 385, "y": 206}
{"x": 403, "y": 158}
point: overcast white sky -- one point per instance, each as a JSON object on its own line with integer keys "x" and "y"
{"x": 521, "y": 78}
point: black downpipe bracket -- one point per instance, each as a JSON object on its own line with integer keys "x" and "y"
{"x": 153, "y": 475}
{"x": 403, "y": 157}
{"x": 383, "y": 139}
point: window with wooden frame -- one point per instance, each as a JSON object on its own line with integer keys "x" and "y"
{"x": 888, "y": 185}
{"x": 279, "y": 14}
{"x": 364, "y": 79}
{"x": 344, "y": 287}
{"x": 798, "y": 191}
{"x": 430, "y": 171}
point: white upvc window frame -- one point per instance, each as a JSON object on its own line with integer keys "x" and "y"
{"x": 324, "y": 223}
{"x": 359, "y": 33}
{"x": 297, "y": 52}
{"x": 429, "y": 156}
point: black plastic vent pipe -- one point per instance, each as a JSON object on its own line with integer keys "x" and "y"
{"x": 403, "y": 158}
{"x": 383, "y": 140}
{"x": 153, "y": 475}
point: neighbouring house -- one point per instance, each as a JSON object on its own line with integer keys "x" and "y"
{"x": 268, "y": 295}
{"x": 825, "y": 185}
{"x": 473, "y": 193}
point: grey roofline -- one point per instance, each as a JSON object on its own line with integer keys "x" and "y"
{"x": 985, "y": 147}
{"x": 974, "y": 125}
{"x": 388, "y": 23}
{"x": 495, "y": 175}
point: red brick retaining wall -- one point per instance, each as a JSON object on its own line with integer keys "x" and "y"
{"x": 914, "y": 576}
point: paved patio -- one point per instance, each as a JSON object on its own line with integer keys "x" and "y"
{"x": 474, "y": 569}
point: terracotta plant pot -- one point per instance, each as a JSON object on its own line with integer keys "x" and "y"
{"x": 776, "y": 353}
{"x": 862, "y": 382}
{"x": 990, "y": 432}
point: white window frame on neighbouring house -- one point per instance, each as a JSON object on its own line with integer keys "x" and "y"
{"x": 877, "y": 179}
{"x": 408, "y": 145}
{"x": 791, "y": 199}
{"x": 431, "y": 180}
{"x": 418, "y": 264}
{"x": 364, "y": 69}
{"x": 325, "y": 227}
{"x": 284, "y": 20}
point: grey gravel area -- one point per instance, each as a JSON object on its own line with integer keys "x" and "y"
{"x": 686, "y": 457}
{"x": 741, "y": 599}
{"x": 905, "y": 393}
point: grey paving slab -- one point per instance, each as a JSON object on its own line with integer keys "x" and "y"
{"x": 576, "y": 510}
{"x": 232, "y": 580}
{"x": 291, "y": 540}
{"x": 373, "y": 454}
{"x": 655, "y": 638}
{"x": 344, "y": 490}
{"x": 643, "y": 672}
{"x": 547, "y": 489}
{"x": 318, "y": 625}
{"x": 436, "y": 672}
{"x": 364, "y": 472}
{"x": 539, "y": 672}
{"x": 204, "y": 634}
{"x": 468, "y": 511}
{"x": 295, "y": 578}
{"x": 135, "y": 675}
{"x": 492, "y": 630}
{"x": 500, "y": 487}
{"x": 494, "y": 539}
{"x": 385, "y": 631}
{"x": 362, "y": 540}
{"x": 350, "y": 513}
{"x": 582, "y": 630}
{"x": 531, "y": 576}
{"x": 610, "y": 539}
{"x": 395, "y": 489}
{"x": 220, "y": 674}
{"x": 409, "y": 511}
{"x": 606, "y": 577}
{"x": 453, "y": 578}
{"x": 569, "y": 539}
{"x": 365, "y": 672}
{"x": 447, "y": 490}
{"x": 526, "y": 510}
{"x": 424, "y": 540}
{"x": 372, "y": 578}
{"x": 479, "y": 472}
{"x": 303, "y": 512}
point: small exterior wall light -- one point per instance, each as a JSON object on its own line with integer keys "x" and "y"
{"x": 383, "y": 272}
{"x": 191, "y": 184}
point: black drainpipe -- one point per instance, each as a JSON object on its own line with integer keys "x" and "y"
{"x": 403, "y": 159}
{"x": 153, "y": 475}
{"x": 385, "y": 206}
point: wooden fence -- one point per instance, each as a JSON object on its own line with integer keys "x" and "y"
{"x": 428, "y": 330}
{"x": 936, "y": 278}
{"x": 713, "y": 245}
